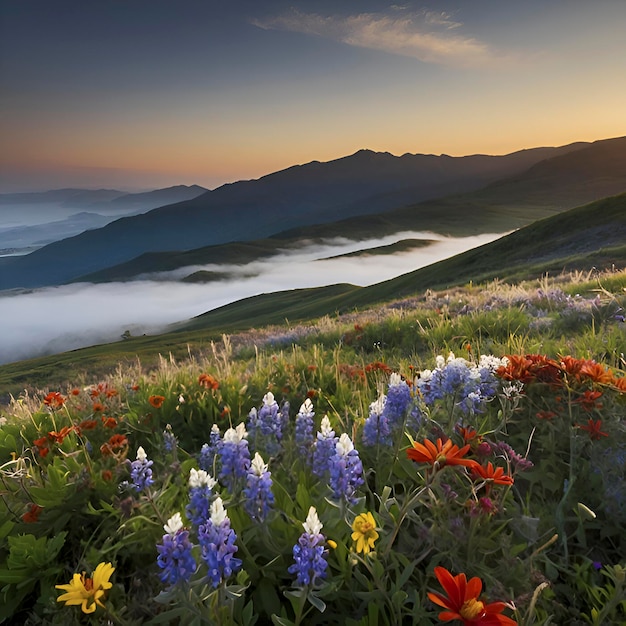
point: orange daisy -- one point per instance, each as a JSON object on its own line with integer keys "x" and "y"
{"x": 492, "y": 475}
{"x": 440, "y": 454}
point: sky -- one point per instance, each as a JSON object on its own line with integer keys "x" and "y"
{"x": 140, "y": 94}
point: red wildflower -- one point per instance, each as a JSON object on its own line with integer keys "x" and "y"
{"x": 312, "y": 368}
{"x": 109, "y": 422}
{"x": 53, "y": 435}
{"x": 118, "y": 441}
{"x": 378, "y": 365}
{"x": 596, "y": 372}
{"x": 491, "y": 475}
{"x": 54, "y": 400}
{"x": 545, "y": 415}
{"x": 440, "y": 454}
{"x": 470, "y": 436}
{"x": 619, "y": 383}
{"x": 88, "y": 424}
{"x": 107, "y": 475}
{"x": 593, "y": 428}
{"x": 41, "y": 445}
{"x": 462, "y": 603}
{"x": 98, "y": 407}
{"x": 156, "y": 401}
{"x": 589, "y": 400}
{"x": 311, "y": 393}
{"x": 208, "y": 382}
{"x": 75, "y": 392}
{"x": 530, "y": 368}
{"x": 32, "y": 515}
{"x": 225, "y": 411}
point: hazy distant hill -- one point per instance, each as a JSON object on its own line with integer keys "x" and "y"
{"x": 361, "y": 184}
{"x": 87, "y": 196}
{"x": 551, "y": 186}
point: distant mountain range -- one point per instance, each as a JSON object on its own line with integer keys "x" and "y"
{"x": 363, "y": 195}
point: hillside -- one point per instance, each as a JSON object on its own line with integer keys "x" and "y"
{"x": 363, "y": 183}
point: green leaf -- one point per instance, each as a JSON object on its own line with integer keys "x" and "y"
{"x": 318, "y": 603}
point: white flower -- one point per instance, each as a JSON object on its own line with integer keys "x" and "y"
{"x": 258, "y": 466}
{"x": 307, "y": 407}
{"x": 440, "y": 362}
{"x": 215, "y": 429}
{"x": 201, "y": 478}
{"x": 395, "y": 379}
{"x": 326, "y": 431}
{"x": 377, "y": 407}
{"x": 451, "y": 357}
{"x": 174, "y": 524}
{"x": 268, "y": 399}
{"x": 313, "y": 526}
{"x": 141, "y": 454}
{"x": 218, "y": 512}
{"x": 344, "y": 445}
{"x": 235, "y": 435}
{"x": 181, "y": 399}
{"x": 426, "y": 376}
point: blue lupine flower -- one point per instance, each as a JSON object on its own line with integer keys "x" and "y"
{"x": 398, "y": 400}
{"x": 209, "y": 451}
{"x": 258, "y": 493}
{"x": 304, "y": 429}
{"x": 324, "y": 448}
{"x": 376, "y": 430}
{"x": 284, "y": 416}
{"x": 200, "y": 490}
{"x": 346, "y": 470}
{"x": 234, "y": 456}
{"x": 140, "y": 471}
{"x": 309, "y": 553}
{"x": 217, "y": 541}
{"x": 169, "y": 439}
{"x": 266, "y": 426}
{"x": 175, "y": 558}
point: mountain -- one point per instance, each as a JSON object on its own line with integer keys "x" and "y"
{"x": 550, "y": 186}
{"x": 363, "y": 183}
{"x": 68, "y": 195}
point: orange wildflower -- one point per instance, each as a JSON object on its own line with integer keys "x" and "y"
{"x": 53, "y": 435}
{"x": 619, "y": 383}
{"x": 87, "y": 425}
{"x": 41, "y": 445}
{"x": 593, "y": 428}
{"x": 596, "y": 372}
{"x": 545, "y": 415}
{"x": 54, "y": 400}
{"x": 32, "y": 515}
{"x": 462, "y": 601}
{"x": 440, "y": 454}
{"x": 470, "y": 436}
{"x": 589, "y": 400}
{"x": 97, "y": 407}
{"x": 156, "y": 401}
{"x": 109, "y": 422}
{"x": 208, "y": 382}
{"x": 492, "y": 475}
{"x": 530, "y": 368}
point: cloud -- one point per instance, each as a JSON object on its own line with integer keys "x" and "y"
{"x": 52, "y": 320}
{"x": 429, "y": 36}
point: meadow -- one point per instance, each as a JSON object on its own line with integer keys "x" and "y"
{"x": 455, "y": 456}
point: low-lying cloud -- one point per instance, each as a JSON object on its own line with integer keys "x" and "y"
{"x": 430, "y": 37}
{"x": 56, "y": 319}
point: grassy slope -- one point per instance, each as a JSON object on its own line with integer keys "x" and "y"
{"x": 592, "y": 235}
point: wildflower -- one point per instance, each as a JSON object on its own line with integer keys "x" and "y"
{"x": 589, "y": 400}
{"x": 462, "y": 603}
{"x": 115, "y": 442}
{"x": 234, "y": 455}
{"x": 200, "y": 488}
{"x": 593, "y": 428}
{"x": 217, "y": 541}
{"x": 258, "y": 492}
{"x": 595, "y": 372}
{"x": 266, "y": 426}
{"x": 41, "y": 445}
{"x": 208, "y": 452}
{"x": 324, "y": 448}
{"x": 87, "y": 425}
{"x": 491, "y": 475}
{"x": 545, "y": 415}
{"x": 377, "y": 430}
{"x": 169, "y": 439}
{"x": 346, "y": 470}
{"x": 109, "y": 422}
{"x": 156, "y": 401}
{"x": 32, "y": 515}
{"x": 440, "y": 454}
{"x": 304, "y": 429}
{"x": 309, "y": 552}
{"x": 141, "y": 472}
{"x": 54, "y": 400}
{"x": 59, "y": 437}
{"x": 398, "y": 399}
{"x": 97, "y": 407}
{"x": 175, "y": 558}
{"x": 364, "y": 532}
{"x": 208, "y": 382}
{"x": 87, "y": 592}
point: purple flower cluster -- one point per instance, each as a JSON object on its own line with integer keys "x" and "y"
{"x": 169, "y": 439}
{"x": 309, "y": 553}
{"x": 141, "y": 471}
{"x": 517, "y": 461}
{"x": 209, "y": 451}
{"x": 304, "y": 430}
{"x": 346, "y": 470}
{"x": 217, "y": 542}
{"x": 324, "y": 448}
{"x": 200, "y": 491}
{"x": 265, "y": 427}
{"x": 234, "y": 456}
{"x": 377, "y": 430}
{"x": 258, "y": 492}
{"x": 175, "y": 558}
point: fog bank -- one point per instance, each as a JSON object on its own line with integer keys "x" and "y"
{"x": 56, "y": 319}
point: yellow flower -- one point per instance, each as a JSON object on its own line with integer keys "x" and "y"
{"x": 87, "y": 591}
{"x": 364, "y": 534}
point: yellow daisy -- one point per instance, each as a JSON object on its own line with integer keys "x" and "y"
{"x": 87, "y": 591}
{"x": 364, "y": 534}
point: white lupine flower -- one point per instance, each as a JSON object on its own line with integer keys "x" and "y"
{"x": 307, "y": 406}
{"x": 451, "y": 357}
{"x": 218, "y": 512}
{"x": 440, "y": 362}
{"x": 313, "y": 526}
{"x": 426, "y": 376}
{"x": 325, "y": 429}
{"x": 344, "y": 445}
{"x": 174, "y": 524}
{"x": 377, "y": 407}
{"x": 141, "y": 454}
{"x": 201, "y": 478}
{"x": 268, "y": 399}
{"x": 258, "y": 466}
{"x": 215, "y": 429}
{"x": 235, "y": 435}
{"x": 395, "y": 379}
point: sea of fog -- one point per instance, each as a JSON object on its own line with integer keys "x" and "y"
{"x": 55, "y": 319}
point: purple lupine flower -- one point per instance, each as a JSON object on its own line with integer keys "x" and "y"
{"x": 346, "y": 470}
{"x": 209, "y": 451}
{"x": 376, "y": 430}
{"x": 304, "y": 429}
{"x": 141, "y": 471}
{"x": 234, "y": 456}
{"x": 258, "y": 492}
{"x": 324, "y": 448}
{"x": 309, "y": 552}
{"x": 169, "y": 439}
{"x": 200, "y": 490}
{"x": 175, "y": 558}
{"x": 398, "y": 400}
{"x": 217, "y": 541}
{"x": 284, "y": 416}
{"x": 269, "y": 426}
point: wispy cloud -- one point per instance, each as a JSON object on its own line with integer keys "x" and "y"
{"x": 429, "y": 36}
